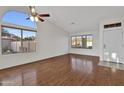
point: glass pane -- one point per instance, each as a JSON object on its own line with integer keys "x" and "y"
{"x": 84, "y": 41}
{"x": 89, "y": 41}
{"x": 18, "y": 18}
{"x": 11, "y": 40}
{"x": 73, "y": 40}
{"x": 29, "y": 41}
{"x": 79, "y": 41}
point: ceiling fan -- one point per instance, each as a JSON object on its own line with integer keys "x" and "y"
{"x": 36, "y": 16}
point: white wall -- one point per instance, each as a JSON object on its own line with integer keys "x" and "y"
{"x": 51, "y": 41}
{"x": 94, "y": 51}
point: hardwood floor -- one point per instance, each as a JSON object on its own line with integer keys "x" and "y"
{"x": 63, "y": 70}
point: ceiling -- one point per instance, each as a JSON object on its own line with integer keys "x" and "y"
{"x": 80, "y": 18}
{"x": 77, "y": 18}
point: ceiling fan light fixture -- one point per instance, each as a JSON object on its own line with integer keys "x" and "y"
{"x": 32, "y": 18}
{"x": 33, "y": 10}
{"x": 36, "y": 18}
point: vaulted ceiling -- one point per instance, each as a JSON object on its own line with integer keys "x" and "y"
{"x": 77, "y": 18}
{"x": 80, "y": 18}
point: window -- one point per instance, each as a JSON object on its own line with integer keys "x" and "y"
{"x": 18, "y": 18}
{"x": 17, "y": 40}
{"x": 112, "y": 25}
{"x": 11, "y": 40}
{"x": 19, "y": 36}
{"x": 29, "y": 43}
{"x": 89, "y": 41}
{"x": 82, "y": 41}
{"x": 77, "y": 41}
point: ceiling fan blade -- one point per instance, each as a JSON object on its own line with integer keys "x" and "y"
{"x": 28, "y": 18}
{"x": 30, "y": 7}
{"x": 41, "y": 19}
{"x": 32, "y": 10}
{"x": 44, "y": 15}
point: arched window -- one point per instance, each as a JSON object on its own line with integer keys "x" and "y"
{"x": 18, "y": 34}
{"x": 18, "y": 18}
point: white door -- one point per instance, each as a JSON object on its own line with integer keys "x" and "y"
{"x": 113, "y": 45}
{"x": 122, "y": 49}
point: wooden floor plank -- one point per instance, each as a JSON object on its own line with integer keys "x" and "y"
{"x": 70, "y": 69}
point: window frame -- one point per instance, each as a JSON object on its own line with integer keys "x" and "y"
{"x": 21, "y": 29}
{"x": 82, "y": 41}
